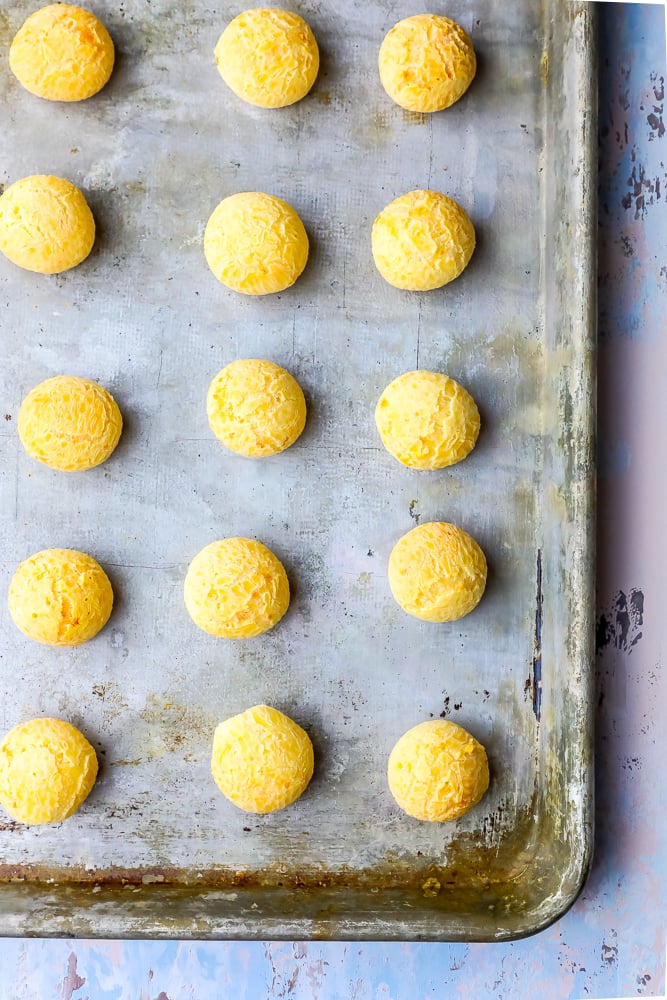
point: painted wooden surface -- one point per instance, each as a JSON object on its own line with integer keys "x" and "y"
{"x": 612, "y": 943}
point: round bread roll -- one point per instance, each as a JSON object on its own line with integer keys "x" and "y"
{"x": 45, "y": 224}
{"x": 422, "y": 240}
{"x": 69, "y": 423}
{"x": 437, "y": 771}
{"x": 426, "y": 62}
{"x": 427, "y": 420}
{"x": 255, "y": 243}
{"x": 60, "y": 597}
{"x": 62, "y": 53}
{"x": 268, "y": 57}
{"x": 437, "y": 572}
{"x": 47, "y": 769}
{"x": 236, "y": 588}
{"x": 262, "y": 760}
{"x": 255, "y": 408}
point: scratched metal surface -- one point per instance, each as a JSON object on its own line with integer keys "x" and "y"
{"x": 156, "y": 850}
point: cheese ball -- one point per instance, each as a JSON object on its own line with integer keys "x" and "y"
{"x": 262, "y": 760}
{"x": 47, "y": 769}
{"x": 69, "y": 423}
{"x": 255, "y": 408}
{"x": 255, "y": 243}
{"x": 437, "y": 771}
{"x": 427, "y": 420}
{"x": 426, "y": 62}
{"x": 422, "y": 240}
{"x": 62, "y": 53}
{"x": 437, "y": 572}
{"x": 268, "y": 57}
{"x": 60, "y": 597}
{"x": 236, "y": 588}
{"x": 45, "y": 224}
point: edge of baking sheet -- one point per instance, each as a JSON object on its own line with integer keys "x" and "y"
{"x": 539, "y": 871}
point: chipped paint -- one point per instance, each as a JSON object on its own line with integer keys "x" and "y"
{"x": 621, "y": 624}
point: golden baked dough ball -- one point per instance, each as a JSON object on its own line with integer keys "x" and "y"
{"x": 236, "y": 588}
{"x": 45, "y": 224}
{"x": 255, "y": 243}
{"x": 63, "y": 53}
{"x": 437, "y": 572}
{"x": 427, "y": 420}
{"x": 47, "y": 769}
{"x": 60, "y": 597}
{"x": 426, "y": 62}
{"x": 262, "y": 760}
{"x": 69, "y": 423}
{"x": 255, "y": 408}
{"x": 437, "y": 771}
{"x": 422, "y": 240}
{"x": 268, "y": 57}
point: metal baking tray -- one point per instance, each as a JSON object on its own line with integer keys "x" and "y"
{"x": 156, "y": 850}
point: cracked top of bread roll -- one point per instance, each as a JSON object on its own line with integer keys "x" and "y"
{"x": 45, "y": 224}
{"x": 262, "y": 760}
{"x": 437, "y": 572}
{"x": 47, "y": 769}
{"x": 437, "y": 771}
{"x": 255, "y": 407}
{"x": 69, "y": 423}
{"x": 62, "y": 53}
{"x": 236, "y": 588}
{"x": 255, "y": 243}
{"x": 60, "y": 597}
{"x": 427, "y": 420}
{"x": 426, "y": 62}
{"x": 268, "y": 57}
{"x": 422, "y": 240}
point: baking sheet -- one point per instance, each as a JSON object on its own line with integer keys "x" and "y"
{"x": 156, "y": 850}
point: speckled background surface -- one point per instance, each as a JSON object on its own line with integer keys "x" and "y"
{"x": 612, "y": 942}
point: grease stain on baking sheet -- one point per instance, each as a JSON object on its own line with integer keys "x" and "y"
{"x": 544, "y": 68}
{"x": 381, "y": 122}
{"x": 115, "y": 703}
{"x": 377, "y": 130}
{"x": 173, "y": 30}
{"x": 6, "y": 31}
{"x": 363, "y": 584}
{"x": 537, "y": 654}
{"x": 414, "y": 117}
{"x": 497, "y": 823}
{"x": 176, "y": 727}
{"x": 431, "y": 887}
{"x": 620, "y": 626}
